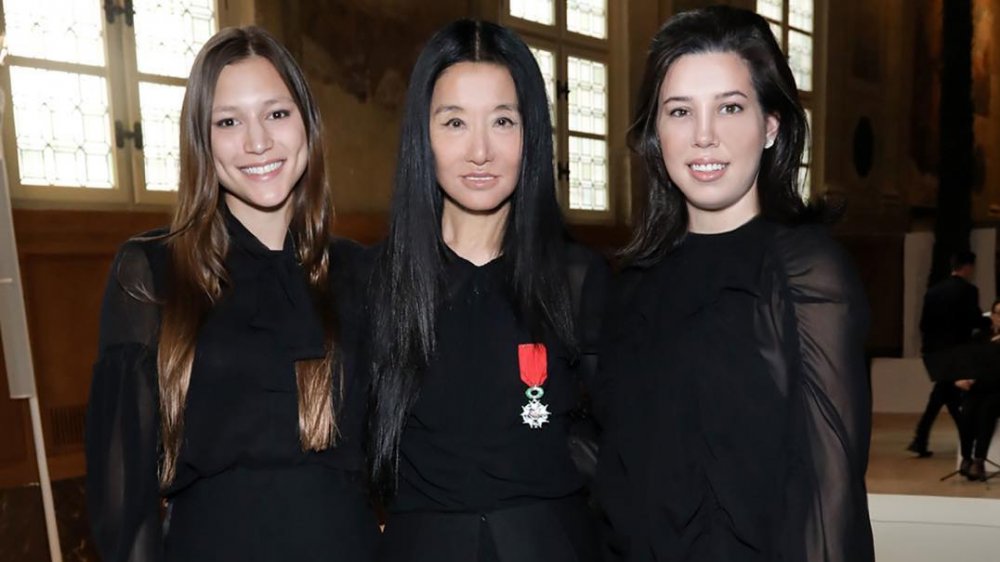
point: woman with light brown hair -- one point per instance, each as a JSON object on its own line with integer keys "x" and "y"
{"x": 223, "y": 382}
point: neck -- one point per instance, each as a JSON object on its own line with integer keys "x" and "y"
{"x": 717, "y": 221}
{"x": 476, "y": 237}
{"x": 270, "y": 227}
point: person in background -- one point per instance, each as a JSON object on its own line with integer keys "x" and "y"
{"x": 950, "y": 317}
{"x": 979, "y": 411}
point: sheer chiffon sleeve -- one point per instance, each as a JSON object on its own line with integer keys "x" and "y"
{"x": 829, "y": 310}
{"x": 122, "y": 417}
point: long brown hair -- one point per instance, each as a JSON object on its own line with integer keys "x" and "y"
{"x": 198, "y": 242}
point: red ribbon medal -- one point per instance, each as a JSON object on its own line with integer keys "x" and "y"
{"x": 534, "y": 365}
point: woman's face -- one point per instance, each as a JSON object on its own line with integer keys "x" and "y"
{"x": 476, "y": 135}
{"x": 712, "y": 131}
{"x": 259, "y": 143}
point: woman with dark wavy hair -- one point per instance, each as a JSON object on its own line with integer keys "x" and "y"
{"x": 478, "y": 332}
{"x": 223, "y": 382}
{"x": 738, "y": 412}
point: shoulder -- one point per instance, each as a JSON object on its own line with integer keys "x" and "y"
{"x": 349, "y": 263}
{"x": 811, "y": 260}
{"x": 142, "y": 257}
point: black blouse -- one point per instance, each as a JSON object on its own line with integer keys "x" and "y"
{"x": 465, "y": 447}
{"x": 737, "y": 402}
{"x": 241, "y": 410}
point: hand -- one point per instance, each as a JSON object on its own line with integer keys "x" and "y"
{"x": 965, "y": 384}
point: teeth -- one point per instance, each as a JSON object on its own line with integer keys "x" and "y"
{"x": 707, "y": 167}
{"x": 261, "y": 170}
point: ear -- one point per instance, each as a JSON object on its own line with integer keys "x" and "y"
{"x": 771, "y": 126}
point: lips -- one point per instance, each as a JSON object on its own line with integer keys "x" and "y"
{"x": 480, "y": 180}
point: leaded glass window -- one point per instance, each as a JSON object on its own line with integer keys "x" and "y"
{"x": 96, "y": 90}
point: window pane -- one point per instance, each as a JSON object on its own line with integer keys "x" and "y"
{"x": 806, "y": 154}
{"x": 588, "y": 174}
{"x": 547, "y": 64}
{"x": 800, "y": 14}
{"x": 776, "y": 30}
{"x": 587, "y": 96}
{"x": 59, "y": 30}
{"x": 588, "y": 17}
{"x": 771, "y": 9}
{"x": 62, "y": 128}
{"x": 161, "y": 113}
{"x": 169, "y": 33}
{"x": 540, "y": 11}
{"x": 800, "y": 58}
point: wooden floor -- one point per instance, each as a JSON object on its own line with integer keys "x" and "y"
{"x": 893, "y": 470}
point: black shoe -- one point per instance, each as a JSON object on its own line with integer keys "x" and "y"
{"x": 963, "y": 469}
{"x": 920, "y": 449}
{"x": 977, "y": 471}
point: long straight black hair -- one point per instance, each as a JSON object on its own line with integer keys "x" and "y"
{"x": 407, "y": 285}
{"x": 719, "y": 29}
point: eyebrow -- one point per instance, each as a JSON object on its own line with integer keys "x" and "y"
{"x": 449, "y": 108}
{"x": 723, "y": 95}
{"x": 266, "y": 103}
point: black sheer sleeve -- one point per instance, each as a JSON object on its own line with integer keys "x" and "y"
{"x": 122, "y": 417}
{"x": 830, "y": 312}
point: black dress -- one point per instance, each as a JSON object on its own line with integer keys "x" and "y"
{"x": 737, "y": 404}
{"x": 244, "y": 490}
{"x": 475, "y": 482}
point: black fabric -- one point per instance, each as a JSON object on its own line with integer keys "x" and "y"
{"x": 465, "y": 450}
{"x": 540, "y": 531}
{"x": 980, "y": 411}
{"x": 950, "y": 314}
{"x": 241, "y": 473}
{"x": 736, "y": 403}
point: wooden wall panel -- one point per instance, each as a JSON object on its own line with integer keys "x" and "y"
{"x": 65, "y": 257}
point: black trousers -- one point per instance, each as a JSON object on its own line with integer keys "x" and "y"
{"x": 980, "y": 412}
{"x": 944, "y": 394}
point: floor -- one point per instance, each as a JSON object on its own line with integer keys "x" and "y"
{"x": 893, "y": 470}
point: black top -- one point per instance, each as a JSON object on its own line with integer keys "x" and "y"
{"x": 241, "y": 415}
{"x": 736, "y": 402}
{"x": 465, "y": 447}
{"x": 950, "y": 314}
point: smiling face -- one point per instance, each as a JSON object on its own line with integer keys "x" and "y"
{"x": 259, "y": 143}
{"x": 475, "y": 133}
{"x": 713, "y": 131}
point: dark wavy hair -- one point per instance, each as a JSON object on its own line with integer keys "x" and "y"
{"x": 407, "y": 286}
{"x": 718, "y": 29}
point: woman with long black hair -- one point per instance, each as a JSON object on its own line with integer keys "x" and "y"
{"x": 738, "y": 411}
{"x": 225, "y": 381}
{"x": 479, "y": 318}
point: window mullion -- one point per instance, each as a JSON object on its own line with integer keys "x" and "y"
{"x": 124, "y": 109}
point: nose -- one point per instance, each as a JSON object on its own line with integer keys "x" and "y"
{"x": 704, "y": 134}
{"x": 258, "y": 138}
{"x": 480, "y": 149}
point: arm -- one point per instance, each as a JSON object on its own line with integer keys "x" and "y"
{"x": 830, "y": 314}
{"x": 123, "y": 420}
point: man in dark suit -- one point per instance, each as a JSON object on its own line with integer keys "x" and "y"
{"x": 951, "y": 316}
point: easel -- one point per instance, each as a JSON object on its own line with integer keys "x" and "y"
{"x": 17, "y": 348}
